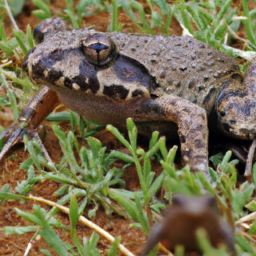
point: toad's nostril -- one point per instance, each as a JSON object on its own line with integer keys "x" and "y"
{"x": 222, "y": 113}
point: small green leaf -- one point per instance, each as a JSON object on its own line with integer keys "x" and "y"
{"x": 242, "y": 196}
{"x": 19, "y": 230}
{"x": 156, "y": 19}
{"x": 10, "y": 196}
{"x": 251, "y": 206}
{"x": 44, "y": 11}
{"x": 142, "y": 216}
{"x": 252, "y": 230}
{"x": 73, "y": 211}
{"x": 16, "y": 6}
{"x": 127, "y": 204}
{"x": 74, "y": 120}
{"x": 48, "y": 234}
{"x": 114, "y": 247}
{"x": 162, "y": 5}
{"x": 244, "y": 244}
{"x": 216, "y": 159}
{"x": 19, "y": 35}
{"x": 28, "y": 216}
{"x": 72, "y": 18}
{"x": 157, "y": 184}
{"x": 133, "y": 133}
{"x": 45, "y": 252}
{"x": 119, "y": 136}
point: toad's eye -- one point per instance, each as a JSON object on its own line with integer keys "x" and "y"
{"x": 98, "y": 49}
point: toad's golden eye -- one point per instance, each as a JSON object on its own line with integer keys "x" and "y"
{"x": 98, "y": 49}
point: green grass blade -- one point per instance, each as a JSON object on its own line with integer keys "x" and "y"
{"x": 19, "y": 230}
{"x": 248, "y": 23}
{"x": 10, "y": 196}
{"x": 114, "y": 247}
{"x": 72, "y": 18}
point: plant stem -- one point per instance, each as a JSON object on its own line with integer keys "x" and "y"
{"x": 11, "y": 16}
{"x": 85, "y": 221}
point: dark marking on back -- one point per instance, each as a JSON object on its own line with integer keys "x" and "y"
{"x": 206, "y": 78}
{"x": 177, "y": 83}
{"x": 162, "y": 74}
{"x": 169, "y": 80}
{"x": 182, "y": 68}
{"x": 191, "y": 84}
{"x": 201, "y": 87}
{"x": 130, "y": 70}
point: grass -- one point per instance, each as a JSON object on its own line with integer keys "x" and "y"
{"x": 91, "y": 178}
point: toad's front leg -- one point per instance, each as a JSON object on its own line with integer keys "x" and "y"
{"x": 36, "y": 110}
{"x": 192, "y": 127}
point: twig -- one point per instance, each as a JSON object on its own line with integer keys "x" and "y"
{"x": 233, "y": 34}
{"x": 248, "y": 217}
{"x": 5, "y": 63}
{"x": 30, "y": 244}
{"x": 11, "y": 16}
{"x": 28, "y": 248}
{"x": 39, "y": 141}
{"x": 85, "y": 221}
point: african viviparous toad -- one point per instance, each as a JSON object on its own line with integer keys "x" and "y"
{"x": 166, "y": 83}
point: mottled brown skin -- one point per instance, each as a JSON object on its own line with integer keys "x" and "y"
{"x": 184, "y": 218}
{"x": 165, "y": 83}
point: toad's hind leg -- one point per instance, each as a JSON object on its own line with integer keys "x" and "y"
{"x": 192, "y": 128}
{"x": 236, "y": 106}
{"x": 236, "y": 110}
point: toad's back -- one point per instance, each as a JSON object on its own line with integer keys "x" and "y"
{"x": 182, "y": 66}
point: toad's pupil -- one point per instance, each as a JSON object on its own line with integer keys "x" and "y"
{"x": 98, "y": 47}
